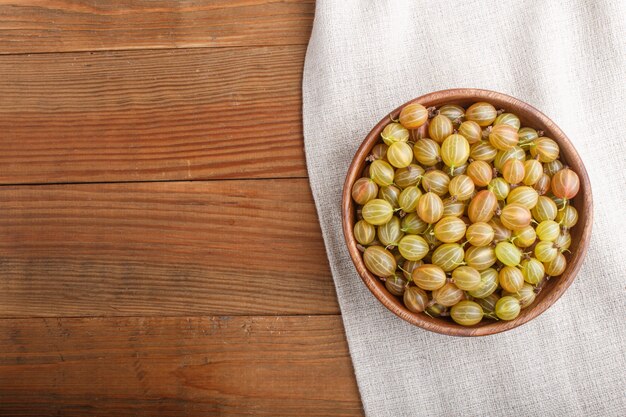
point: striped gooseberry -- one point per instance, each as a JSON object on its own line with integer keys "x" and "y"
{"x": 430, "y": 207}
{"x": 556, "y": 266}
{"x": 500, "y": 188}
{"x": 503, "y": 137}
{"x": 435, "y": 310}
{"x": 471, "y": 131}
{"x": 364, "y": 190}
{"x": 408, "y": 267}
{"x": 415, "y": 299}
{"x": 377, "y": 212}
{"x": 413, "y": 115}
{"x": 448, "y": 256}
{"x": 394, "y": 132}
{"x": 410, "y": 175}
{"x": 545, "y": 209}
{"x": 514, "y": 153}
{"x": 427, "y": 152}
{"x": 565, "y": 184}
{"x": 381, "y": 172}
{"x": 389, "y": 234}
{"x": 480, "y": 172}
{"x": 453, "y": 207}
{"x": 524, "y": 195}
{"x": 508, "y": 308}
{"x": 563, "y": 241}
{"x": 450, "y": 229}
{"x": 560, "y": 202}
{"x": 508, "y": 253}
{"x": 482, "y": 113}
{"x": 543, "y": 184}
{"x": 390, "y": 194}
{"x": 453, "y": 112}
{"x": 567, "y": 217}
{"x": 513, "y": 171}
{"x": 533, "y": 271}
{"x": 552, "y": 167}
{"x": 526, "y": 135}
{"x": 436, "y": 181}
{"x": 488, "y": 303}
{"x": 546, "y": 251}
{"x": 461, "y": 188}
{"x": 429, "y": 277}
{"x": 396, "y": 284}
{"x": 482, "y": 207}
{"x": 364, "y": 233}
{"x": 433, "y": 242}
{"x": 409, "y": 197}
{"x": 515, "y": 216}
{"x": 379, "y": 151}
{"x": 411, "y": 223}
{"x": 379, "y": 261}
{"x": 466, "y": 278}
{"x": 525, "y": 237}
{"x": 548, "y": 230}
{"x": 488, "y": 284}
{"x": 400, "y": 154}
{"x": 483, "y": 151}
{"x": 510, "y": 278}
{"x": 545, "y": 149}
{"x": 456, "y": 171}
{"x": 466, "y": 313}
{"x": 480, "y": 257}
{"x": 525, "y": 295}
{"x": 455, "y": 150}
{"x": 508, "y": 119}
{"x": 500, "y": 232}
{"x": 479, "y": 234}
{"x": 533, "y": 170}
{"x": 413, "y": 247}
{"x": 448, "y": 295}
{"x": 439, "y": 128}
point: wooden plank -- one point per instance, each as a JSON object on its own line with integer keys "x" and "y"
{"x": 88, "y": 25}
{"x": 176, "y": 248}
{"x": 213, "y": 366}
{"x": 151, "y": 115}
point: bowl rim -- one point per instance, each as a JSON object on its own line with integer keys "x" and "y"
{"x": 450, "y": 328}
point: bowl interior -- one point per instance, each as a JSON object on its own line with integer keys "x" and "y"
{"x": 580, "y": 233}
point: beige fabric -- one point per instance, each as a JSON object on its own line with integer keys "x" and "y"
{"x": 567, "y": 58}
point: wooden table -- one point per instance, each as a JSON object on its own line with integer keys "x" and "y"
{"x": 160, "y": 252}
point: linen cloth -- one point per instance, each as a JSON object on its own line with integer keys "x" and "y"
{"x": 567, "y": 58}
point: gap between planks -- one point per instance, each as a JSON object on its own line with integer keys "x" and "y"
{"x": 175, "y": 316}
{"x": 149, "y": 49}
{"x": 198, "y": 180}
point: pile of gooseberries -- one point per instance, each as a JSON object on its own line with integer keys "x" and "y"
{"x": 464, "y": 213}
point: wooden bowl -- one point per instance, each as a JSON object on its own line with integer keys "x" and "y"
{"x": 580, "y": 234}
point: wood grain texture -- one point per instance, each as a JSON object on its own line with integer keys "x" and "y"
{"x": 91, "y": 25}
{"x": 212, "y": 366}
{"x": 176, "y": 248}
{"x": 581, "y": 233}
{"x": 151, "y": 115}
